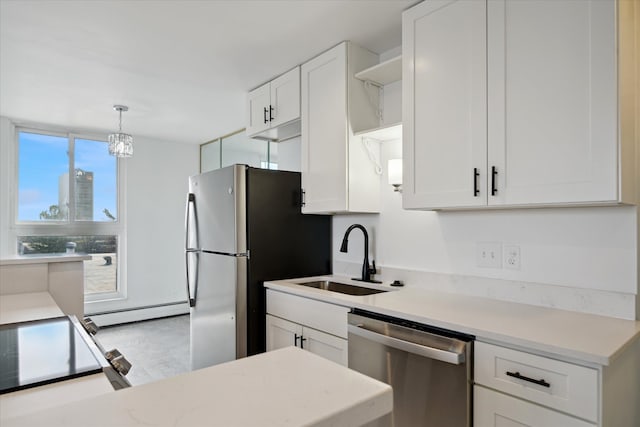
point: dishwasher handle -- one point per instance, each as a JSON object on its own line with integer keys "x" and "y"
{"x": 452, "y": 357}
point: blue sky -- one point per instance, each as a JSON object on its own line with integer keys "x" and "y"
{"x": 43, "y": 158}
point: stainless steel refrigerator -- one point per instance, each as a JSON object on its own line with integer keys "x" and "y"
{"x": 244, "y": 226}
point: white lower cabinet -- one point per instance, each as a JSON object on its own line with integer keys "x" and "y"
{"x": 559, "y": 385}
{"x": 495, "y": 409}
{"x": 316, "y": 326}
{"x": 283, "y": 333}
{"x": 519, "y": 388}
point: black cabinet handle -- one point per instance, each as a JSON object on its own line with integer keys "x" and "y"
{"x": 295, "y": 339}
{"x": 494, "y": 175}
{"x": 303, "y": 201}
{"x": 476, "y": 190}
{"x": 264, "y": 114}
{"x": 270, "y": 113}
{"x": 517, "y": 375}
{"x": 302, "y": 340}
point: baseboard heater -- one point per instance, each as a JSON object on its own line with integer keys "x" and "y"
{"x": 136, "y": 314}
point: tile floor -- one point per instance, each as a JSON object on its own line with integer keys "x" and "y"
{"x": 156, "y": 348}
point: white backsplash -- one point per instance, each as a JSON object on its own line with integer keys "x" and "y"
{"x": 604, "y": 303}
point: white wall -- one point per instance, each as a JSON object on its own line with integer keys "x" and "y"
{"x": 574, "y": 258}
{"x": 157, "y": 184}
{"x": 7, "y": 171}
{"x": 289, "y": 154}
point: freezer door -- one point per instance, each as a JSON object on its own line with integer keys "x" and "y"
{"x": 218, "y": 219}
{"x": 218, "y": 319}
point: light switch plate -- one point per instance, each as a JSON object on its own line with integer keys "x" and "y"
{"x": 489, "y": 254}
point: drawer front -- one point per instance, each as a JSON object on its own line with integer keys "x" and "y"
{"x": 319, "y": 315}
{"x": 560, "y": 385}
{"x": 494, "y": 409}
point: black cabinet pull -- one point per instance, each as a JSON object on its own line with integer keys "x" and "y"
{"x": 264, "y": 114}
{"x": 303, "y": 201}
{"x": 476, "y": 190}
{"x": 270, "y": 113}
{"x": 517, "y": 375}
{"x": 302, "y": 340}
{"x": 295, "y": 339}
{"x": 494, "y": 175}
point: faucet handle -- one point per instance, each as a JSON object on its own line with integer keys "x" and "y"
{"x": 373, "y": 269}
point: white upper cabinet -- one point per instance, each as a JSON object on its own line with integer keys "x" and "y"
{"x": 274, "y": 104}
{"x": 444, "y": 112}
{"x": 285, "y": 98}
{"x": 529, "y": 95}
{"x": 259, "y": 101}
{"x": 338, "y": 174}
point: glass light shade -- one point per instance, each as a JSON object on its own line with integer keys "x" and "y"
{"x": 121, "y": 144}
{"x": 395, "y": 171}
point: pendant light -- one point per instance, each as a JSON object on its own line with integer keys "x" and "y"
{"x": 120, "y": 144}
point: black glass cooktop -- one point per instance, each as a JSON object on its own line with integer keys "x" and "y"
{"x": 42, "y": 352}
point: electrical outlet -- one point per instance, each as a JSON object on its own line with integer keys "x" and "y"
{"x": 512, "y": 257}
{"x": 489, "y": 254}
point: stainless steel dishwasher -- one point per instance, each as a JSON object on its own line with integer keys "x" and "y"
{"x": 428, "y": 368}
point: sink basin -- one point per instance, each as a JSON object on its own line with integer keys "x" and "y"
{"x": 342, "y": 288}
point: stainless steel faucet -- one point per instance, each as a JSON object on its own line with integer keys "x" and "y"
{"x": 367, "y": 271}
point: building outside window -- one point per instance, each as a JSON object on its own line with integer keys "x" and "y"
{"x": 55, "y": 214}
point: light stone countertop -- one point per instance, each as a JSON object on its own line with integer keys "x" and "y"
{"x": 286, "y": 387}
{"x": 27, "y": 306}
{"x": 34, "y": 399}
{"x": 584, "y": 338}
{"x": 44, "y": 258}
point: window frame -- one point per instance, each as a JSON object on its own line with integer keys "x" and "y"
{"x": 71, "y": 226}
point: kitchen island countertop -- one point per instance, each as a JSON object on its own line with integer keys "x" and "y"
{"x": 286, "y": 387}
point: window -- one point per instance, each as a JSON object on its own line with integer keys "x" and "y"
{"x": 67, "y": 201}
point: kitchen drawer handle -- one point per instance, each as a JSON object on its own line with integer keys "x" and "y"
{"x": 455, "y": 358}
{"x": 270, "y": 113}
{"x": 295, "y": 339}
{"x": 264, "y": 114}
{"x": 476, "y": 174}
{"x": 519, "y": 376}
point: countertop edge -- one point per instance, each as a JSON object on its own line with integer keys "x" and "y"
{"x": 46, "y": 259}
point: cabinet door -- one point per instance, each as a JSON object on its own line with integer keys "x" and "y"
{"x": 281, "y": 333}
{"x": 552, "y": 101}
{"x": 324, "y": 131}
{"x": 444, "y": 110}
{"x": 257, "y": 101}
{"x": 493, "y": 409}
{"x": 325, "y": 345}
{"x": 285, "y": 98}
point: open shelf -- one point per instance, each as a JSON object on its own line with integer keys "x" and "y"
{"x": 383, "y": 73}
{"x": 390, "y": 132}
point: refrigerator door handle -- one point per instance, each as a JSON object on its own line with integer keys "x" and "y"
{"x": 191, "y": 199}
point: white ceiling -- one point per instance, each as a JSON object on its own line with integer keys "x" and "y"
{"x": 182, "y": 67}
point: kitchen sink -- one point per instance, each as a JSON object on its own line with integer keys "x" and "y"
{"x": 342, "y": 288}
